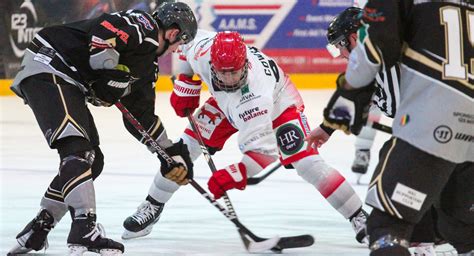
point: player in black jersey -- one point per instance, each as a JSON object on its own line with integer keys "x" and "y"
{"x": 342, "y": 39}
{"x": 428, "y": 161}
{"x": 101, "y": 61}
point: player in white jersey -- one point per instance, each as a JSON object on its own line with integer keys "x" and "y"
{"x": 251, "y": 95}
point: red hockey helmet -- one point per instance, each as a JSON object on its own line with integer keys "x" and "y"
{"x": 229, "y": 64}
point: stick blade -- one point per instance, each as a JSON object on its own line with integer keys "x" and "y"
{"x": 253, "y": 180}
{"x": 294, "y": 242}
{"x": 265, "y": 245}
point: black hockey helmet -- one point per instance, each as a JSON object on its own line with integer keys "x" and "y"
{"x": 339, "y": 30}
{"x": 178, "y": 14}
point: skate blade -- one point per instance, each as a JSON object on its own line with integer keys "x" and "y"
{"x": 18, "y": 249}
{"x": 262, "y": 246}
{"x": 79, "y": 250}
{"x": 131, "y": 235}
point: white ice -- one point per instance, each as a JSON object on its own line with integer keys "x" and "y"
{"x": 281, "y": 205}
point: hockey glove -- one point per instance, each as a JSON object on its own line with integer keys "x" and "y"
{"x": 182, "y": 170}
{"x": 348, "y": 109}
{"x": 233, "y": 176}
{"x": 109, "y": 88}
{"x": 185, "y": 96}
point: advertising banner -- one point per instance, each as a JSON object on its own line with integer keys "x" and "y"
{"x": 21, "y": 20}
{"x": 293, "y": 32}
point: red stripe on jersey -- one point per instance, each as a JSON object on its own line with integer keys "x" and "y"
{"x": 332, "y": 182}
{"x": 260, "y": 159}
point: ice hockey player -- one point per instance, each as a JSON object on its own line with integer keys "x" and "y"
{"x": 342, "y": 38}
{"x": 100, "y": 61}
{"x": 251, "y": 95}
{"x": 429, "y": 158}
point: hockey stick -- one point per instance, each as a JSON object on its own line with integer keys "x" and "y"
{"x": 275, "y": 244}
{"x": 256, "y": 180}
{"x": 260, "y": 244}
{"x": 380, "y": 127}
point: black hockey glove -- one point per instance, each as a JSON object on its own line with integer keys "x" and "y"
{"x": 109, "y": 88}
{"x": 182, "y": 170}
{"x": 348, "y": 110}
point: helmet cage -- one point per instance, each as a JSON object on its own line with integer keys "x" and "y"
{"x": 341, "y": 28}
{"x": 217, "y": 79}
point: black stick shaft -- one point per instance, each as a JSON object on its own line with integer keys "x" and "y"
{"x": 256, "y": 180}
{"x": 208, "y": 157}
{"x": 381, "y": 127}
{"x": 138, "y": 126}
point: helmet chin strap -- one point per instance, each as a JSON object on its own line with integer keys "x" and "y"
{"x": 166, "y": 45}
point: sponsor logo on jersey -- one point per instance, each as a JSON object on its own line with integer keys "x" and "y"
{"x": 120, "y": 33}
{"x": 252, "y": 113}
{"x": 143, "y": 20}
{"x": 290, "y": 138}
{"x": 373, "y": 15}
{"x": 255, "y": 21}
{"x": 23, "y": 24}
{"x": 97, "y": 42}
{"x": 247, "y": 97}
{"x": 203, "y": 112}
{"x": 203, "y": 47}
{"x": 245, "y": 89}
{"x": 254, "y": 139}
{"x": 443, "y": 134}
{"x": 464, "y": 118}
{"x": 408, "y": 197}
{"x": 464, "y": 137}
{"x": 117, "y": 84}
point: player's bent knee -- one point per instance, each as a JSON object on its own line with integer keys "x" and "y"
{"x": 98, "y": 164}
{"x": 312, "y": 169}
{"x": 74, "y": 170}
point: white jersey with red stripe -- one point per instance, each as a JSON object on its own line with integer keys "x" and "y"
{"x": 253, "y": 107}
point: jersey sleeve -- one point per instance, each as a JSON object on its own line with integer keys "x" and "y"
{"x": 182, "y": 64}
{"x": 377, "y": 48}
{"x": 141, "y": 104}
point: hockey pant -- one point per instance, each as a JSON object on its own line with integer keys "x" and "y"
{"x": 408, "y": 181}
{"x": 68, "y": 126}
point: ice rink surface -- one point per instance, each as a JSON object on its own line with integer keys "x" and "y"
{"x": 282, "y": 205}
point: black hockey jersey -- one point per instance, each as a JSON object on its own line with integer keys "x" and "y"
{"x": 69, "y": 51}
{"x": 433, "y": 43}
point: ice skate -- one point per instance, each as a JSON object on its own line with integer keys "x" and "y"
{"x": 87, "y": 235}
{"x": 359, "y": 225}
{"x": 361, "y": 163}
{"x": 34, "y": 235}
{"x": 142, "y": 221}
{"x": 424, "y": 249}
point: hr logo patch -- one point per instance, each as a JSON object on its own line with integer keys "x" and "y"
{"x": 290, "y": 138}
